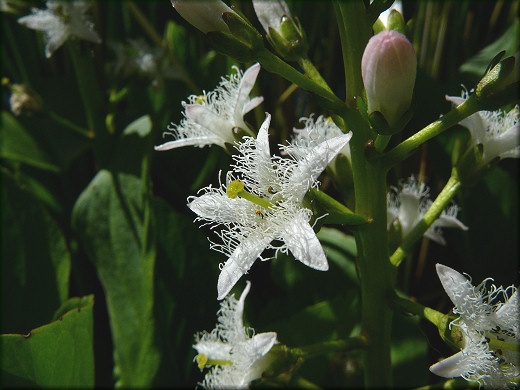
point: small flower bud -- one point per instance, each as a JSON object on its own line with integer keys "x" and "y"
{"x": 499, "y": 86}
{"x": 388, "y": 68}
{"x": 284, "y": 32}
{"x": 227, "y": 30}
{"x": 204, "y": 15}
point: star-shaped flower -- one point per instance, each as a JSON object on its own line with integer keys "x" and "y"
{"x": 491, "y": 353}
{"x": 236, "y": 352}
{"x": 261, "y": 205}
{"x": 216, "y": 117}
{"x": 60, "y": 21}
{"x": 497, "y": 131}
{"x": 408, "y": 204}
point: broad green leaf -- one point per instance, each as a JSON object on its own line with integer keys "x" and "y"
{"x": 35, "y": 261}
{"x": 59, "y": 354}
{"x": 17, "y": 144}
{"x": 509, "y": 41}
{"x": 112, "y": 218}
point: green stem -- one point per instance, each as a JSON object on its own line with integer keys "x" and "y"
{"x": 274, "y": 64}
{"x": 322, "y": 204}
{"x": 312, "y": 73}
{"x": 67, "y": 123}
{"x": 354, "y": 32}
{"x": 309, "y": 351}
{"x": 448, "y": 192}
{"x": 377, "y": 274}
{"x": 148, "y": 28}
{"x": 408, "y": 146}
{"x": 433, "y": 316}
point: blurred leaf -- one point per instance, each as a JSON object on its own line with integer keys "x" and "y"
{"x": 35, "y": 261}
{"x": 509, "y": 41}
{"x": 340, "y": 249}
{"x": 16, "y": 144}
{"x": 111, "y": 218}
{"x": 59, "y": 354}
{"x": 186, "y": 292}
{"x": 409, "y": 352}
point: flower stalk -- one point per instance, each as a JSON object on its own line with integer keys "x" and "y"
{"x": 446, "y": 195}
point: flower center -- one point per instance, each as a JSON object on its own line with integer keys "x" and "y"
{"x": 203, "y": 361}
{"x": 236, "y": 188}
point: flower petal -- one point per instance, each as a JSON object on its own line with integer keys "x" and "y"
{"x": 456, "y": 285}
{"x": 246, "y": 85}
{"x": 214, "y": 123}
{"x": 304, "y": 244}
{"x": 508, "y": 316}
{"x": 263, "y": 342}
{"x": 308, "y": 170}
{"x": 452, "y": 367}
{"x": 194, "y": 141}
{"x": 239, "y": 263}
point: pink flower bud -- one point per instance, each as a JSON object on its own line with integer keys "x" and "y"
{"x": 388, "y": 68}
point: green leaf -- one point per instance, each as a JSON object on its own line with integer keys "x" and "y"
{"x": 16, "y": 144}
{"x": 59, "y": 354}
{"x": 35, "y": 261}
{"x": 112, "y": 220}
{"x": 509, "y": 41}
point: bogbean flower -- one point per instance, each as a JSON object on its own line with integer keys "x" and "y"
{"x": 260, "y": 206}
{"x": 408, "y": 204}
{"x": 237, "y": 354}
{"x": 497, "y": 131}
{"x": 61, "y": 21}
{"x": 491, "y": 352}
{"x": 216, "y": 117}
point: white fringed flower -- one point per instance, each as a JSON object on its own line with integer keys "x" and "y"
{"x": 497, "y": 131}
{"x": 236, "y": 352}
{"x": 314, "y": 132}
{"x": 272, "y": 216}
{"x": 215, "y": 117}
{"x": 491, "y": 353}
{"x": 408, "y": 204}
{"x": 60, "y": 21}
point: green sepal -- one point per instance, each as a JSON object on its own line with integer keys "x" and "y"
{"x": 499, "y": 86}
{"x": 242, "y": 43}
{"x": 381, "y": 126}
{"x": 291, "y": 43}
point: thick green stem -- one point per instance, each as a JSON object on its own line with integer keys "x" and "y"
{"x": 448, "y": 192}
{"x": 377, "y": 274}
{"x": 408, "y": 146}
